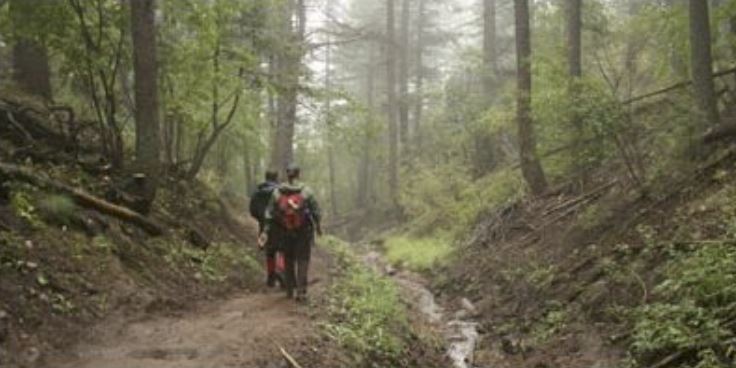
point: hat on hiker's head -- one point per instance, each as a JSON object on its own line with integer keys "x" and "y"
{"x": 293, "y": 170}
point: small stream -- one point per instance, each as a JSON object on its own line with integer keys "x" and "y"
{"x": 459, "y": 330}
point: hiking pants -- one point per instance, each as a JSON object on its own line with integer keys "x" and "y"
{"x": 273, "y": 245}
{"x": 297, "y": 249}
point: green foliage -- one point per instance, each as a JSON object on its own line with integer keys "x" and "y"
{"x": 214, "y": 263}
{"x": 698, "y": 297}
{"x": 366, "y": 315}
{"x": 550, "y": 324}
{"x": 418, "y": 254}
{"x": 666, "y": 327}
{"x": 23, "y": 204}
{"x": 57, "y": 208}
{"x": 445, "y": 200}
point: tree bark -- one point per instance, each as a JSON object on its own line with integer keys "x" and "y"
{"x": 31, "y": 70}
{"x": 702, "y": 62}
{"x": 419, "y": 81}
{"x": 404, "y": 79}
{"x": 574, "y": 38}
{"x": 364, "y": 169}
{"x": 329, "y": 125}
{"x": 289, "y": 71}
{"x": 393, "y": 176}
{"x": 573, "y": 14}
{"x": 147, "y": 128}
{"x": 490, "y": 57}
{"x": 530, "y": 166}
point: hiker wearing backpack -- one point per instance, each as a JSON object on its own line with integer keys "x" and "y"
{"x": 294, "y": 210}
{"x": 258, "y": 203}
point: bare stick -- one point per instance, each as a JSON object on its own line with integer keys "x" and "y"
{"x": 289, "y": 358}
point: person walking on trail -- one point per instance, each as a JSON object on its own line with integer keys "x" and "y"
{"x": 294, "y": 209}
{"x": 258, "y": 203}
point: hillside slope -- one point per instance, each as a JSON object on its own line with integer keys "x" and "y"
{"x": 612, "y": 277}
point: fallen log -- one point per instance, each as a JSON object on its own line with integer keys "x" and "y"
{"x": 82, "y": 198}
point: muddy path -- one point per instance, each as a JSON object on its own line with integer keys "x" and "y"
{"x": 244, "y": 331}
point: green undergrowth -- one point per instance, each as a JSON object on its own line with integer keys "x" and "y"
{"x": 694, "y": 303}
{"x": 417, "y": 254}
{"x": 365, "y": 314}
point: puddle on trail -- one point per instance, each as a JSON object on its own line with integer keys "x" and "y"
{"x": 461, "y": 334}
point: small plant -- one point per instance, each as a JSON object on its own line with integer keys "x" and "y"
{"x": 697, "y": 297}
{"x": 417, "y": 254}
{"x": 366, "y": 315}
{"x": 24, "y": 207}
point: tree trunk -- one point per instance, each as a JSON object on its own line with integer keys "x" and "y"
{"x": 490, "y": 57}
{"x": 404, "y": 79}
{"x": 364, "y": 168}
{"x": 702, "y": 62}
{"x": 575, "y": 71}
{"x": 484, "y": 156}
{"x": 393, "y": 167}
{"x": 419, "y": 82}
{"x": 574, "y": 39}
{"x": 147, "y": 127}
{"x": 329, "y": 125}
{"x": 289, "y": 71}
{"x": 31, "y": 71}
{"x": 530, "y": 165}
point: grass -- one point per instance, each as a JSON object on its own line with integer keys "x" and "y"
{"x": 365, "y": 313}
{"x": 417, "y": 254}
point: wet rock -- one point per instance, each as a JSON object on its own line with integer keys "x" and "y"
{"x": 468, "y": 306}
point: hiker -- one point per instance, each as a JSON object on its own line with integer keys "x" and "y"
{"x": 258, "y": 203}
{"x": 294, "y": 210}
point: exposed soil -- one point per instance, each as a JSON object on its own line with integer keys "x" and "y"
{"x": 244, "y": 331}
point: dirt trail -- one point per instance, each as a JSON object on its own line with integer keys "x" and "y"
{"x": 244, "y": 331}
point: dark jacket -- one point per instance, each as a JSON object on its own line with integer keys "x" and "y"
{"x": 259, "y": 201}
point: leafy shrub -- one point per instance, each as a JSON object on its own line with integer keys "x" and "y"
{"x": 57, "y": 208}
{"x": 698, "y": 296}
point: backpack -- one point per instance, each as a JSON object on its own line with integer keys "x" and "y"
{"x": 259, "y": 201}
{"x": 293, "y": 211}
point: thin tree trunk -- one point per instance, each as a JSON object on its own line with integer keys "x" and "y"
{"x": 393, "y": 177}
{"x": 490, "y": 57}
{"x": 574, "y": 38}
{"x": 404, "y": 78}
{"x": 530, "y": 165}
{"x": 330, "y": 129}
{"x": 575, "y": 71}
{"x": 365, "y": 160}
{"x": 419, "y": 82}
{"x": 146, "y": 93}
{"x": 250, "y": 182}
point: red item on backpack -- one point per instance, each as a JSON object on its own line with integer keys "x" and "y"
{"x": 292, "y": 205}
